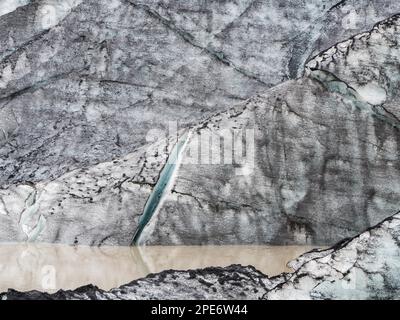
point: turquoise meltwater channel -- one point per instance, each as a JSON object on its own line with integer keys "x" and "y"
{"x": 161, "y": 187}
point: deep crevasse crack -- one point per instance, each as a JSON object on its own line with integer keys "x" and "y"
{"x": 162, "y": 186}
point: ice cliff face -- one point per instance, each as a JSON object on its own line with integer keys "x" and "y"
{"x": 84, "y": 83}
{"x": 364, "y": 267}
{"x": 326, "y": 156}
{"x": 325, "y": 168}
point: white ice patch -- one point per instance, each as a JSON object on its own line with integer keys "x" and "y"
{"x": 32, "y": 222}
{"x": 21, "y": 69}
{"x": 51, "y": 12}
{"x": 7, "y": 6}
{"x": 372, "y": 93}
{"x": 3, "y": 208}
{"x": 292, "y": 196}
{"x": 6, "y": 76}
{"x": 352, "y": 18}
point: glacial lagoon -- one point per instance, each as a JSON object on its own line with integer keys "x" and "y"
{"x": 50, "y": 267}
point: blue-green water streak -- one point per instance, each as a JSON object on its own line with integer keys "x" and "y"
{"x": 160, "y": 188}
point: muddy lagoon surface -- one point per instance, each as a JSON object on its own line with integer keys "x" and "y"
{"x": 50, "y": 267}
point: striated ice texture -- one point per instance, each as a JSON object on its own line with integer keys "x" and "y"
{"x": 82, "y": 83}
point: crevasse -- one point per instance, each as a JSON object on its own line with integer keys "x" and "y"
{"x": 163, "y": 185}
